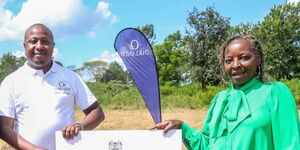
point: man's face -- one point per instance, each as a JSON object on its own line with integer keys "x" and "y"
{"x": 39, "y": 45}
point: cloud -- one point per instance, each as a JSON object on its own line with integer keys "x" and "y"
{"x": 56, "y": 54}
{"x": 19, "y": 54}
{"x": 63, "y": 17}
{"x": 110, "y": 57}
{"x": 293, "y": 1}
{"x": 114, "y": 19}
{"x": 102, "y": 9}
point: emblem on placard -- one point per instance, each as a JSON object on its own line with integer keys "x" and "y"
{"x": 112, "y": 145}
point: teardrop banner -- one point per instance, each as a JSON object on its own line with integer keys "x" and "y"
{"x": 137, "y": 55}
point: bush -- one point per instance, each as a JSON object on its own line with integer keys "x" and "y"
{"x": 294, "y": 86}
{"x": 117, "y": 95}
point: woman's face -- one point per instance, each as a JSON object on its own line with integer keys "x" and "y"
{"x": 240, "y": 62}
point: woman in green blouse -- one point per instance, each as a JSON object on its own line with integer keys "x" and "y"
{"x": 251, "y": 114}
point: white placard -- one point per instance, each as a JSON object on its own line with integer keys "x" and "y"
{"x": 121, "y": 140}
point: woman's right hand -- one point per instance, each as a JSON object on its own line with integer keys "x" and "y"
{"x": 168, "y": 125}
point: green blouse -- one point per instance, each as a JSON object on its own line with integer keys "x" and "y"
{"x": 258, "y": 116}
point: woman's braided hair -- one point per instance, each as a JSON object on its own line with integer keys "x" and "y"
{"x": 255, "y": 47}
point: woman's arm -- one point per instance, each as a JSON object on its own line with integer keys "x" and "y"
{"x": 285, "y": 120}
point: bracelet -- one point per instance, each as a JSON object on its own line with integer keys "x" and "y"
{"x": 77, "y": 124}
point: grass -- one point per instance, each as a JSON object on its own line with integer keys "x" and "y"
{"x": 141, "y": 119}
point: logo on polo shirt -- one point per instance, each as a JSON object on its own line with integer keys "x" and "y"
{"x": 63, "y": 88}
{"x": 62, "y": 84}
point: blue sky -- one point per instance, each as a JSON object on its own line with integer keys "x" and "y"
{"x": 85, "y": 30}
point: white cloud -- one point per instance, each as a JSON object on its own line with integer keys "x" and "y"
{"x": 19, "y": 54}
{"x": 56, "y": 53}
{"x": 63, "y": 17}
{"x": 114, "y": 19}
{"x": 92, "y": 34}
{"x": 293, "y": 1}
{"x": 110, "y": 57}
{"x": 102, "y": 8}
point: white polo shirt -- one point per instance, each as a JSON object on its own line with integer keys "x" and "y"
{"x": 43, "y": 103}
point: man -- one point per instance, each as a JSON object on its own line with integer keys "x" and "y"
{"x": 39, "y": 98}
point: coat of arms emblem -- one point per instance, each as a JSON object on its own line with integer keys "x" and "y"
{"x": 115, "y": 145}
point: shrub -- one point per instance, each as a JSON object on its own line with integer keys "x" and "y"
{"x": 118, "y": 95}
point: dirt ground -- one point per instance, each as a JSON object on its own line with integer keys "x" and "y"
{"x": 140, "y": 119}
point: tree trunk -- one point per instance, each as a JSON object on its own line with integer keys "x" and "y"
{"x": 203, "y": 85}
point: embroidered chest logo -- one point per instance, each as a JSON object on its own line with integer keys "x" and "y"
{"x": 115, "y": 145}
{"x": 62, "y": 88}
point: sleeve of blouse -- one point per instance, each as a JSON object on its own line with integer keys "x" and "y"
{"x": 285, "y": 120}
{"x": 194, "y": 139}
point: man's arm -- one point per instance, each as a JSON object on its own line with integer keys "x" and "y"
{"x": 15, "y": 140}
{"x": 94, "y": 115}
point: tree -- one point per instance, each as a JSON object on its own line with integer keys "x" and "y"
{"x": 115, "y": 72}
{"x": 148, "y": 31}
{"x": 241, "y": 29}
{"x": 207, "y": 30}
{"x": 170, "y": 59}
{"x": 9, "y": 63}
{"x": 279, "y": 33}
{"x": 96, "y": 69}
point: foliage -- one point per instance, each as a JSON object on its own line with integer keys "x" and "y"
{"x": 9, "y": 63}
{"x": 115, "y": 72}
{"x": 279, "y": 33}
{"x": 95, "y": 68}
{"x": 117, "y": 95}
{"x": 104, "y": 72}
{"x": 294, "y": 85}
{"x": 207, "y": 31}
{"x": 170, "y": 59}
{"x": 148, "y": 31}
{"x": 241, "y": 29}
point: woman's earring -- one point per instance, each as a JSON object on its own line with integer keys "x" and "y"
{"x": 258, "y": 71}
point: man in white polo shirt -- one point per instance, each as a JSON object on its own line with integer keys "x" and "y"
{"x": 39, "y": 98}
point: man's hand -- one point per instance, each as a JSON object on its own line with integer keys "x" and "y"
{"x": 70, "y": 131}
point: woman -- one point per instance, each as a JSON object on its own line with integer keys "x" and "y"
{"x": 251, "y": 114}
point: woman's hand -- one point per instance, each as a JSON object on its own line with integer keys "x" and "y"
{"x": 168, "y": 125}
{"x": 70, "y": 131}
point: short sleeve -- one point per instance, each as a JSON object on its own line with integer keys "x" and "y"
{"x": 285, "y": 120}
{"x": 84, "y": 97}
{"x": 7, "y": 107}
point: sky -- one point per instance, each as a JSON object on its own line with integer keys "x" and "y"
{"x": 85, "y": 30}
